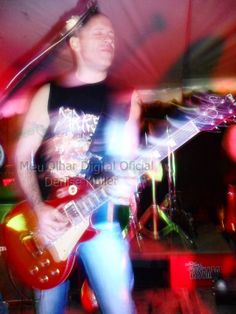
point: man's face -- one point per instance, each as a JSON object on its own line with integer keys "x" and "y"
{"x": 96, "y": 44}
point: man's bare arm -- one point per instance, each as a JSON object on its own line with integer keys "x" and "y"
{"x": 34, "y": 128}
{"x": 51, "y": 222}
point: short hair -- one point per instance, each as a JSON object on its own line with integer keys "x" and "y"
{"x": 91, "y": 15}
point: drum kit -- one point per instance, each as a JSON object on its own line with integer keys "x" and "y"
{"x": 164, "y": 216}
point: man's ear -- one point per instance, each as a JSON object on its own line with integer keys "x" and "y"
{"x": 74, "y": 43}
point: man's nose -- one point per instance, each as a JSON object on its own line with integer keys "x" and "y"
{"x": 109, "y": 39}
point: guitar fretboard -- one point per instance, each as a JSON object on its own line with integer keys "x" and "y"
{"x": 86, "y": 205}
{"x": 164, "y": 146}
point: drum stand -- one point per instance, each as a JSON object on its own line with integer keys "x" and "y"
{"x": 154, "y": 212}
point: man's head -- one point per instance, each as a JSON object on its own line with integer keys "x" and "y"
{"x": 93, "y": 45}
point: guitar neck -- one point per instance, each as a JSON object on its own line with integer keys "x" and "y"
{"x": 164, "y": 146}
{"x": 85, "y": 206}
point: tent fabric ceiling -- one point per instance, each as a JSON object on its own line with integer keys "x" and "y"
{"x": 159, "y": 42}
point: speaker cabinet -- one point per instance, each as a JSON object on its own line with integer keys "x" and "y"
{"x": 12, "y": 291}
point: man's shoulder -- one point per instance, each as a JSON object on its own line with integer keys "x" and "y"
{"x": 40, "y": 98}
{"x": 43, "y": 89}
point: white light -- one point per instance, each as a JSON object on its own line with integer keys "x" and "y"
{"x": 156, "y": 154}
{"x": 221, "y": 285}
{"x": 171, "y": 143}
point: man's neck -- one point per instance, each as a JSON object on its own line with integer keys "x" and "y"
{"x": 79, "y": 77}
{"x": 90, "y": 76}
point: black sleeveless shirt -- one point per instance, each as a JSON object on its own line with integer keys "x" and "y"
{"x": 75, "y": 144}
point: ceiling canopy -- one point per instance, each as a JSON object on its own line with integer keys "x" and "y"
{"x": 160, "y": 43}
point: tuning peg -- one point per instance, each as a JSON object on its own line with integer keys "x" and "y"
{"x": 225, "y": 125}
{"x": 216, "y": 130}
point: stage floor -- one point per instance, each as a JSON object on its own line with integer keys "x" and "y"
{"x": 172, "y": 276}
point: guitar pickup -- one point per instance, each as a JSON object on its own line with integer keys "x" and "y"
{"x": 30, "y": 245}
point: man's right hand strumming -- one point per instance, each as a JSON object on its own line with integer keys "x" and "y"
{"x": 51, "y": 222}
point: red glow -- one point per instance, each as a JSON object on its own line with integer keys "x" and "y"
{"x": 17, "y": 105}
{"x": 230, "y": 213}
{"x": 8, "y": 181}
{"x": 88, "y": 298}
{"x": 179, "y": 274}
{"x": 229, "y": 142}
{"x": 196, "y": 270}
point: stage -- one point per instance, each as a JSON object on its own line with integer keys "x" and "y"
{"x": 171, "y": 275}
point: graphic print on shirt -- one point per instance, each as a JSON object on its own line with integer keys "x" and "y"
{"x": 67, "y": 152}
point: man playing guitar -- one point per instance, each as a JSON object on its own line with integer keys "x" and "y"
{"x": 77, "y": 116}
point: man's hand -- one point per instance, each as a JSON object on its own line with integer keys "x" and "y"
{"x": 52, "y": 223}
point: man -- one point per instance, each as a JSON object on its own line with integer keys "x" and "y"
{"x": 75, "y": 119}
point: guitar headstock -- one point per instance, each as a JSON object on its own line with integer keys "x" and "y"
{"x": 86, "y": 6}
{"x": 210, "y": 110}
{"x": 85, "y": 9}
{"x": 92, "y": 4}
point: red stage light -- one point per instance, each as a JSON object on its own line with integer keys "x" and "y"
{"x": 229, "y": 142}
{"x": 7, "y": 181}
{"x": 88, "y": 298}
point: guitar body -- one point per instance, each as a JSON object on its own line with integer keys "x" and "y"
{"x": 38, "y": 266}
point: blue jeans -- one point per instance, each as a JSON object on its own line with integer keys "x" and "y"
{"x": 108, "y": 267}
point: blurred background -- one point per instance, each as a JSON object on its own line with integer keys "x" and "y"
{"x": 167, "y": 50}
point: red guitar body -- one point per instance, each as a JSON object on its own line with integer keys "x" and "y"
{"x": 37, "y": 267}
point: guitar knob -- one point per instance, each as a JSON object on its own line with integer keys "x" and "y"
{"x": 55, "y": 272}
{"x": 39, "y": 253}
{"x": 45, "y": 263}
{"x": 34, "y": 270}
{"x": 72, "y": 190}
{"x": 43, "y": 279}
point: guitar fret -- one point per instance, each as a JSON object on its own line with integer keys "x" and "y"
{"x": 99, "y": 196}
{"x": 103, "y": 193}
{"x": 85, "y": 208}
{"x": 72, "y": 212}
{"x": 90, "y": 201}
{"x": 95, "y": 199}
{"x": 78, "y": 207}
{"x": 80, "y": 211}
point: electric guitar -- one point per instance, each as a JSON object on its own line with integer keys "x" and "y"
{"x": 45, "y": 266}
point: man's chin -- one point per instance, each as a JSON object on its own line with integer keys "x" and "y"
{"x": 105, "y": 64}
